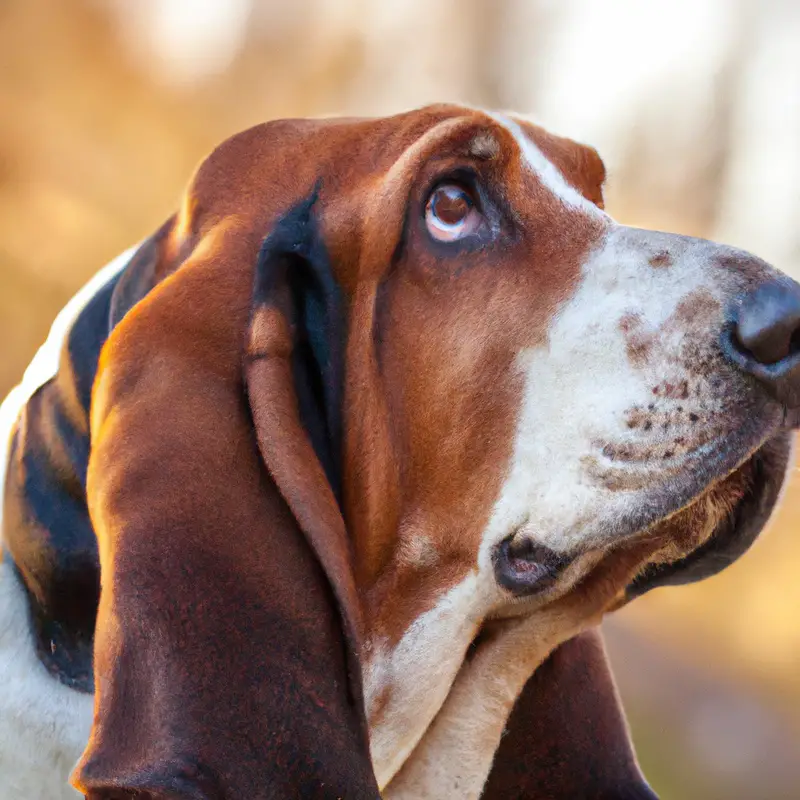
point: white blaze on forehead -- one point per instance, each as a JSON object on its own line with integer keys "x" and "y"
{"x": 547, "y": 172}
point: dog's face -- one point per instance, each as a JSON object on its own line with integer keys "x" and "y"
{"x": 530, "y": 386}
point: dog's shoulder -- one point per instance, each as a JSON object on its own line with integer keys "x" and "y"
{"x": 46, "y": 530}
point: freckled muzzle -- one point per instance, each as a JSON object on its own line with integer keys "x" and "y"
{"x": 762, "y": 339}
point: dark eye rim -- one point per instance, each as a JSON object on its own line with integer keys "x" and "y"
{"x": 467, "y": 180}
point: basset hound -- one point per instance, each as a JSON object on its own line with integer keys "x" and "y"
{"x": 322, "y": 490}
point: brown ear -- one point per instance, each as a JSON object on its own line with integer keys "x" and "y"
{"x": 221, "y": 663}
{"x": 567, "y": 737}
{"x": 147, "y": 267}
{"x": 294, "y": 372}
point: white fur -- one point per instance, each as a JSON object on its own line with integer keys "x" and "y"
{"x": 44, "y": 726}
{"x": 550, "y": 176}
{"x": 454, "y": 757}
{"x": 418, "y": 673}
{"x": 579, "y": 386}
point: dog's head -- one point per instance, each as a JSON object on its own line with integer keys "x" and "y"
{"x": 527, "y": 386}
{"x": 472, "y": 386}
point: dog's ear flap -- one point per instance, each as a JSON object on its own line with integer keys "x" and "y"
{"x": 567, "y": 736}
{"x": 215, "y": 614}
{"x": 294, "y": 375}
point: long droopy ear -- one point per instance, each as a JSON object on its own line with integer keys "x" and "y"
{"x": 295, "y": 372}
{"x": 226, "y": 645}
{"x": 567, "y": 737}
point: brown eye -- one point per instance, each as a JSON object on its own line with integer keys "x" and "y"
{"x": 450, "y": 213}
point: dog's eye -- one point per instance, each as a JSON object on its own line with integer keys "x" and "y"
{"x": 450, "y": 213}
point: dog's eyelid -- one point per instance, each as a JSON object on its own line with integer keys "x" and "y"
{"x": 465, "y": 177}
{"x": 488, "y": 197}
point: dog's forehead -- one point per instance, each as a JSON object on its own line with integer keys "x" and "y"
{"x": 563, "y": 165}
{"x": 285, "y": 158}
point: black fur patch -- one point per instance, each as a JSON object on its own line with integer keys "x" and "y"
{"x": 46, "y": 523}
{"x": 139, "y": 276}
{"x": 46, "y": 527}
{"x": 294, "y": 255}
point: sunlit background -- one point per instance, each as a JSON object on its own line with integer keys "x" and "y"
{"x": 107, "y": 105}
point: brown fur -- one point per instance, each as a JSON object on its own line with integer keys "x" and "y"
{"x": 220, "y": 559}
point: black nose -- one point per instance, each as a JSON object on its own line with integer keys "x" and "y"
{"x": 765, "y": 338}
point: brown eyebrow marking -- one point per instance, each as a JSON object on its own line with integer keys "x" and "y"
{"x": 484, "y": 146}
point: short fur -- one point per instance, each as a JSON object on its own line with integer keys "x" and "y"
{"x": 312, "y": 427}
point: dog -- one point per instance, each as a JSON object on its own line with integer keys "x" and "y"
{"x": 322, "y": 490}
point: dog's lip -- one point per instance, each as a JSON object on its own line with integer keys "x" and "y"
{"x": 705, "y": 467}
{"x": 770, "y": 463}
{"x": 525, "y": 567}
{"x": 704, "y": 470}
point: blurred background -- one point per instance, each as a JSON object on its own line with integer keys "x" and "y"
{"x": 106, "y": 106}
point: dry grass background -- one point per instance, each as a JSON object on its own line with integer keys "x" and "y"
{"x": 107, "y": 105}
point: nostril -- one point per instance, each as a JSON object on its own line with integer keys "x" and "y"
{"x": 763, "y": 339}
{"x": 768, "y": 323}
{"x": 766, "y": 341}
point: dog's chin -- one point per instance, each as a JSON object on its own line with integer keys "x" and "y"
{"x": 720, "y": 523}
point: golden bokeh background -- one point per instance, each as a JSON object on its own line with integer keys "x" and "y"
{"x": 106, "y": 106}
